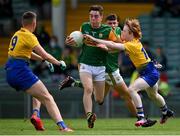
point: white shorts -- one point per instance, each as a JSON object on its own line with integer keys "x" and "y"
{"x": 115, "y": 76}
{"x": 97, "y": 72}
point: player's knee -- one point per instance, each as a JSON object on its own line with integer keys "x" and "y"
{"x": 88, "y": 90}
{"x": 152, "y": 96}
{"x": 130, "y": 90}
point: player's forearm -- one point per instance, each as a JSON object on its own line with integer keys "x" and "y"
{"x": 45, "y": 56}
{"x": 110, "y": 44}
{"x": 51, "y": 59}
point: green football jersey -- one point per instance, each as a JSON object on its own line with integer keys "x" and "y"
{"x": 91, "y": 55}
{"x": 112, "y": 58}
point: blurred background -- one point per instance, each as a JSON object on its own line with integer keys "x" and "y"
{"x": 160, "y": 22}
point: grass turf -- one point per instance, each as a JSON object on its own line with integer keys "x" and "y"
{"x": 119, "y": 126}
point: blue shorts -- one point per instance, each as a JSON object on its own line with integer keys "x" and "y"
{"x": 19, "y": 75}
{"x": 150, "y": 74}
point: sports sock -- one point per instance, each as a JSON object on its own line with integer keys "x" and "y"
{"x": 164, "y": 109}
{"x": 140, "y": 112}
{"x": 36, "y": 112}
{"x": 61, "y": 124}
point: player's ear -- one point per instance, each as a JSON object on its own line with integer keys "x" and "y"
{"x": 34, "y": 25}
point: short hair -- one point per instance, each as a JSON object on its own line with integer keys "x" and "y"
{"x": 28, "y": 17}
{"x": 134, "y": 27}
{"x": 96, "y": 8}
{"x": 112, "y": 17}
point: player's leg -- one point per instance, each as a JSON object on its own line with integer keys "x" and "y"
{"x": 35, "y": 118}
{"x": 108, "y": 84}
{"x": 107, "y": 89}
{"x": 36, "y": 104}
{"x": 120, "y": 86}
{"x": 139, "y": 84}
{"x": 124, "y": 93}
{"x": 39, "y": 91}
{"x": 160, "y": 102}
{"x": 99, "y": 87}
{"x": 86, "y": 79}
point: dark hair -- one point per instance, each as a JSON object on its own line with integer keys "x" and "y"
{"x": 112, "y": 17}
{"x": 28, "y": 17}
{"x": 96, "y": 8}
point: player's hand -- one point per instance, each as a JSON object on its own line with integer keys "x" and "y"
{"x": 62, "y": 65}
{"x": 89, "y": 40}
{"x": 49, "y": 65}
{"x": 70, "y": 41}
{"x": 157, "y": 65}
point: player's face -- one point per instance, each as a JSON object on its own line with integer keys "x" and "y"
{"x": 126, "y": 35}
{"x": 95, "y": 18}
{"x": 112, "y": 23}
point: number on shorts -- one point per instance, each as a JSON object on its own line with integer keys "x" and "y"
{"x": 145, "y": 54}
{"x": 13, "y": 43}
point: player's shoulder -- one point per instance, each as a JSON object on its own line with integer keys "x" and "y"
{"x": 135, "y": 43}
{"x": 104, "y": 26}
{"x": 86, "y": 24}
{"x": 118, "y": 28}
{"x": 24, "y": 32}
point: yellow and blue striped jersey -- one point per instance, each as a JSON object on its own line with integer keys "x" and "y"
{"x": 22, "y": 43}
{"x": 136, "y": 52}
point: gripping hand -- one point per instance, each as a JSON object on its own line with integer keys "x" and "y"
{"x": 62, "y": 65}
{"x": 49, "y": 65}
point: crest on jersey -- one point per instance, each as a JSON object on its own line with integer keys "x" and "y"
{"x": 100, "y": 35}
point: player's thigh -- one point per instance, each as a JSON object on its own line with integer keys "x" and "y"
{"x": 139, "y": 84}
{"x": 122, "y": 89}
{"x": 108, "y": 80}
{"x": 116, "y": 77}
{"x": 152, "y": 91}
{"x": 39, "y": 91}
{"x": 107, "y": 88}
{"x": 86, "y": 79}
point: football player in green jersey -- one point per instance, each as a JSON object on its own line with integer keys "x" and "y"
{"x": 92, "y": 61}
{"x": 113, "y": 77}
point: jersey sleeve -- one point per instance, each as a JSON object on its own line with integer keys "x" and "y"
{"x": 112, "y": 36}
{"x": 33, "y": 41}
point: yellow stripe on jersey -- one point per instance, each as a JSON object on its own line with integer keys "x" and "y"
{"x": 136, "y": 53}
{"x": 112, "y": 36}
{"x": 22, "y": 43}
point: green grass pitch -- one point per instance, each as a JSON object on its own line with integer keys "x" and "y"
{"x": 119, "y": 126}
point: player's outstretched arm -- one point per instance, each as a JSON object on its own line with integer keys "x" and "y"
{"x": 35, "y": 56}
{"x": 48, "y": 57}
{"x": 109, "y": 44}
